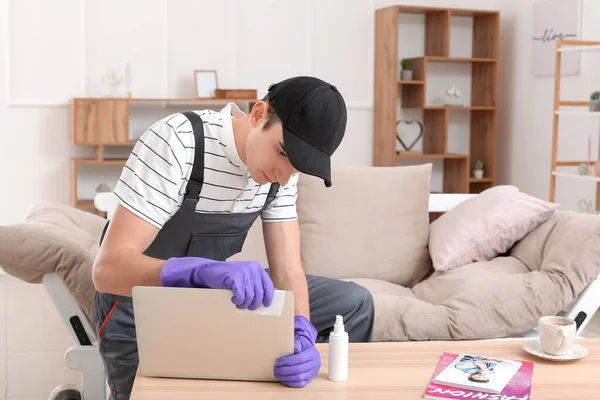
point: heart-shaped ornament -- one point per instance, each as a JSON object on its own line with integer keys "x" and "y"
{"x": 408, "y": 129}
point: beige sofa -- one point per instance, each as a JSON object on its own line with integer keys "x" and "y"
{"x": 371, "y": 227}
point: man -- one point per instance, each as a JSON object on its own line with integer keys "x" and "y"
{"x": 190, "y": 190}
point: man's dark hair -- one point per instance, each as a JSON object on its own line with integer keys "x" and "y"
{"x": 272, "y": 117}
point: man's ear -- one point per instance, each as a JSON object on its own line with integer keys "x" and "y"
{"x": 258, "y": 113}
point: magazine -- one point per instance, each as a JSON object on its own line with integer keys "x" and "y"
{"x": 477, "y": 372}
{"x": 518, "y": 388}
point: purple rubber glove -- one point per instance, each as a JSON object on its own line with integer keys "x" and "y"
{"x": 298, "y": 369}
{"x": 248, "y": 281}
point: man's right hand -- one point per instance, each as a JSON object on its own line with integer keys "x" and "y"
{"x": 248, "y": 281}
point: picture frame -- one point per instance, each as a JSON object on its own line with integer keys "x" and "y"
{"x": 205, "y": 83}
{"x": 554, "y": 20}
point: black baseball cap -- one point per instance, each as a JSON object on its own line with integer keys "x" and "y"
{"x": 313, "y": 115}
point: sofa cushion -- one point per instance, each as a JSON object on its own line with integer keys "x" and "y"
{"x": 485, "y": 226}
{"x": 480, "y": 300}
{"x": 54, "y": 238}
{"x": 400, "y": 315}
{"x": 372, "y": 223}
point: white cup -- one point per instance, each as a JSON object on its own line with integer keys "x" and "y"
{"x": 556, "y": 334}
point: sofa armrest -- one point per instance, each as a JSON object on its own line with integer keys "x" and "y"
{"x": 586, "y": 305}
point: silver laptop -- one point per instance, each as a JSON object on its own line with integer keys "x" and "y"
{"x": 199, "y": 333}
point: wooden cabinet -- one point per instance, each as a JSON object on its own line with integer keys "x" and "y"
{"x": 392, "y": 93}
{"x": 104, "y": 123}
{"x": 100, "y": 122}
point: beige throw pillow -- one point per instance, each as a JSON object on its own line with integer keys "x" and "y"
{"x": 485, "y": 226}
{"x": 54, "y": 238}
{"x": 372, "y": 223}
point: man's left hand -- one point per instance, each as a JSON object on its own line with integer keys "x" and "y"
{"x": 298, "y": 369}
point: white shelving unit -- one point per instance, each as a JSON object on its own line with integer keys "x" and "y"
{"x": 589, "y": 296}
{"x": 578, "y": 112}
{"x": 584, "y": 48}
{"x": 565, "y": 108}
{"x": 573, "y": 175}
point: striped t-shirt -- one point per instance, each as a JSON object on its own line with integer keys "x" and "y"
{"x": 154, "y": 179}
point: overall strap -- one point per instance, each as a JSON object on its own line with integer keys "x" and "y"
{"x": 272, "y": 193}
{"x": 194, "y": 186}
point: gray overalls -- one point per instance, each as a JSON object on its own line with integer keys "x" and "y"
{"x": 217, "y": 237}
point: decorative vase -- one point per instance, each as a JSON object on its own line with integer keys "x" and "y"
{"x": 102, "y": 188}
{"x": 594, "y": 105}
{"x": 478, "y": 173}
{"x": 110, "y": 91}
{"x": 406, "y": 75}
{"x": 582, "y": 169}
{"x": 111, "y": 84}
{"x": 128, "y": 80}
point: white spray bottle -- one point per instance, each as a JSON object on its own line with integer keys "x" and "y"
{"x": 338, "y": 351}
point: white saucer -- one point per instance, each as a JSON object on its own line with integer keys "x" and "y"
{"x": 535, "y": 347}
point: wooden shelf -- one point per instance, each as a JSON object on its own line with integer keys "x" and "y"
{"x": 471, "y": 108}
{"x": 578, "y": 112}
{"x": 104, "y": 122}
{"x": 459, "y": 12}
{"x": 584, "y": 49}
{"x": 93, "y": 161}
{"x": 571, "y": 163}
{"x": 573, "y": 175}
{"x": 88, "y": 205}
{"x": 426, "y": 59}
{"x": 85, "y": 204}
{"x": 482, "y": 180}
{"x": 214, "y": 100}
{"x": 574, "y": 103}
{"x": 460, "y": 59}
{"x": 392, "y": 94}
{"x": 76, "y": 163}
{"x": 402, "y": 156}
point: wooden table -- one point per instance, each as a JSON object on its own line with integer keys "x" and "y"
{"x": 393, "y": 371}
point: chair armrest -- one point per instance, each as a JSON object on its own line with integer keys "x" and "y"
{"x": 78, "y": 325}
{"x": 87, "y": 359}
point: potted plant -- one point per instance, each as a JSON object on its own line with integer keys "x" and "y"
{"x": 478, "y": 171}
{"x": 583, "y": 169}
{"x": 406, "y": 73}
{"x": 595, "y": 101}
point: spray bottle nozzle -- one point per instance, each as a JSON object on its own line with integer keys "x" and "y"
{"x": 339, "y": 324}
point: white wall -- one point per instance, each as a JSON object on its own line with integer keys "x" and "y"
{"x": 62, "y": 49}
{"x": 526, "y": 108}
